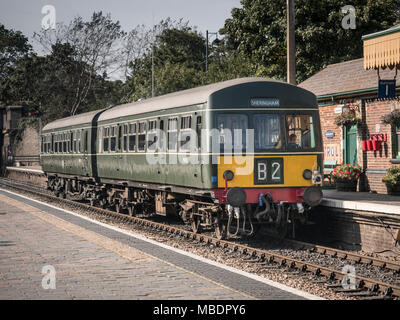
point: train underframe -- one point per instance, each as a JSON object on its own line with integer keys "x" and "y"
{"x": 199, "y": 211}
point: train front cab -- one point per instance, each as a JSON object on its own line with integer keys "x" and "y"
{"x": 278, "y": 177}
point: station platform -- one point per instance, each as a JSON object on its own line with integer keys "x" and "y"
{"x": 362, "y": 201}
{"x": 42, "y": 245}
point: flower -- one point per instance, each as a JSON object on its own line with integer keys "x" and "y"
{"x": 392, "y": 118}
{"x": 347, "y": 118}
{"x": 392, "y": 177}
{"x": 346, "y": 172}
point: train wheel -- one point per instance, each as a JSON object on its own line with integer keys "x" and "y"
{"x": 220, "y": 228}
{"x": 195, "y": 224}
{"x": 131, "y": 211}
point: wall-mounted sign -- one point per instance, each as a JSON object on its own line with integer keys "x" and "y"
{"x": 329, "y": 134}
{"x": 264, "y": 102}
{"x": 338, "y": 109}
{"x": 333, "y": 151}
{"x": 387, "y": 89}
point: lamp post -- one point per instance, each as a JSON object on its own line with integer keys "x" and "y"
{"x": 216, "y": 41}
{"x": 291, "y": 46}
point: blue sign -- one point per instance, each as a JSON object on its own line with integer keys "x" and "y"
{"x": 329, "y": 134}
{"x": 387, "y": 89}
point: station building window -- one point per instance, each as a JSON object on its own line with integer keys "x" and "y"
{"x": 396, "y": 142}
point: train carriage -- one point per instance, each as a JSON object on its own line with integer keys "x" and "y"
{"x": 230, "y": 156}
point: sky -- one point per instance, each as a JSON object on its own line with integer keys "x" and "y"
{"x": 26, "y": 15}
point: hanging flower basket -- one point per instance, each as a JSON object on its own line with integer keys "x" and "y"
{"x": 392, "y": 118}
{"x": 347, "y": 119}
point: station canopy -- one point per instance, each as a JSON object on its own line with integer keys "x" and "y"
{"x": 382, "y": 49}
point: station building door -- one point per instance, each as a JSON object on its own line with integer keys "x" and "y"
{"x": 350, "y": 144}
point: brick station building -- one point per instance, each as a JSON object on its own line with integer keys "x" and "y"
{"x": 353, "y": 85}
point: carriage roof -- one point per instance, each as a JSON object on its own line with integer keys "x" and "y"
{"x": 221, "y": 91}
{"x": 178, "y": 99}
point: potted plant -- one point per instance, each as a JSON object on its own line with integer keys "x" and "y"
{"x": 346, "y": 177}
{"x": 347, "y": 119}
{"x": 392, "y": 180}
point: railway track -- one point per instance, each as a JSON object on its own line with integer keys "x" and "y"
{"x": 363, "y": 287}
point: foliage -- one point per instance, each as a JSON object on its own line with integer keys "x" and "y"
{"x": 13, "y": 47}
{"x": 392, "y": 177}
{"x": 346, "y": 173}
{"x": 95, "y": 45}
{"x": 49, "y": 83}
{"x": 392, "y": 118}
{"x": 347, "y": 119}
{"x": 179, "y": 55}
{"x": 258, "y": 29}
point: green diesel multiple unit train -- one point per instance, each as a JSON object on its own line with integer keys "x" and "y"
{"x": 238, "y": 153}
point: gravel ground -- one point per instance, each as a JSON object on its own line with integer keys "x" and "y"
{"x": 302, "y": 281}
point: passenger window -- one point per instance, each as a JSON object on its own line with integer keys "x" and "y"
{"x": 232, "y": 131}
{"x": 132, "y": 137}
{"x": 185, "y": 133}
{"x": 125, "y": 146}
{"x": 105, "y": 139}
{"x": 142, "y": 136}
{"x": 152, "y": 135}
{"x": 198, "y": 132}
{"x": 56, "y": 143}
{"x": 85, "y": 141}
{"x": 172, "y": 134}
{"x": 119, "y": 147}
{"x": 113, "y": 139}
{"x": 78, "y": 141}
{"x": 70, "y": 142}
{"x": 65, "y": 143}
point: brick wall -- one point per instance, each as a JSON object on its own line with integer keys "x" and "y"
{"x": 374, "y": 163}
{"x": 332, "y": 147}
{"x": 29, "y": 144}
{"x": 350, "y": 230}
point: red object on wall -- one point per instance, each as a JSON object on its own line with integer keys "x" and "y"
{"x": 379, "y": 137}
{"x": 369, "y": 145}
{"x": 365, "y": 145}
{"x": 376, "y": 145}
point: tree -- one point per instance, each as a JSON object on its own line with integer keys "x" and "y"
{"x": 258, "y": 30}
{"x": 48, "y": 84}
{"x": 179, "y": 55}
{"x": 139, "y": 41}
{"x": 13, "y": 47}
{"x": 96, "y": 44}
